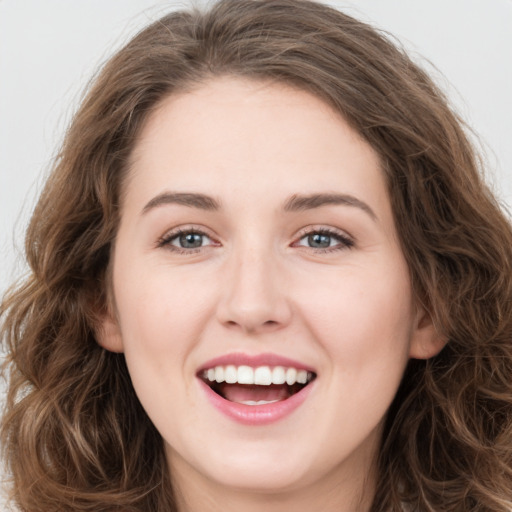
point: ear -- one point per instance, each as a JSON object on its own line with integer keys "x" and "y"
{"x": 108, "y": 333}
{"x": 426, "y": 342}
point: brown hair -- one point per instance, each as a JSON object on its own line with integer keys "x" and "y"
{"x": 76, "y": 437}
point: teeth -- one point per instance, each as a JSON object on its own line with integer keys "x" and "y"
{"x": 262, "y": 375}
{"x": 291, "y": 376}
{"x": 231, "y": 374}
{"x": 278, "y": 375}
{"x": 219, "y": 373}
{"x": 245, "y": 375}
{"x": 302, "y": 377}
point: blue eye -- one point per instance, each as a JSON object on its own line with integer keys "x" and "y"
{"x": 185, "y": 240}
{"x": 323, "y": 239}
{"x": 188, "y": 240}
{"x": 319, "y": 240}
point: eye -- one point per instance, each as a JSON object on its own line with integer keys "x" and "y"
{"x": 186, "y": 240}
{"x": 325, "y": 239}
{"x": 189, "y": 240}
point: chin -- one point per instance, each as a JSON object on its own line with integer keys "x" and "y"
{"x": 257, "y": 468}
{"x": 267, "y": 477}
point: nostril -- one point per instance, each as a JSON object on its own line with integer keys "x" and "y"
{"x": 249, "y": 326}
{"x": 251, "y": 307}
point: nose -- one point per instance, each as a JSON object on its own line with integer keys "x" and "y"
{"x": 254, "y": 294}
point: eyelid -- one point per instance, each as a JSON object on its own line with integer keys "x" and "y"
{"x": 346, "y": 241}
{"x": 166, "y": 239}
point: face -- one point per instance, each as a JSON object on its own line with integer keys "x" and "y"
{"x": 257, "y": 248}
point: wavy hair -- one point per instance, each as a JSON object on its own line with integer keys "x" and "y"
{"x": 75, "y": 437}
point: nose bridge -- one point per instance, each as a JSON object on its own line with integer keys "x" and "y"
{"x": 254, "y": 297}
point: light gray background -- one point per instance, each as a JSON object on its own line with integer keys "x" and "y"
{"x": 49, "y": 49}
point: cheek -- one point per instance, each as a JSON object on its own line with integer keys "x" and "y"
{"x": 161, "y": 321}
{"x": 362, "y": 317}
{"x": 161, "y": 311}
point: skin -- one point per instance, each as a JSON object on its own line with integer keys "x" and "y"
{"x": 256, "y": 284}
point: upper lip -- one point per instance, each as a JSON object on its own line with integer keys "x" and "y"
{"x": 254, "y": 361}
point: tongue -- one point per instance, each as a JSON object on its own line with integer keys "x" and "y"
{"x": 241, "y": 393}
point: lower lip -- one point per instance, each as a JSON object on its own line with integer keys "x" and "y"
{"x": 257, "y": 414}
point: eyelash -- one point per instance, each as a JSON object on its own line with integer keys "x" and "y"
{"x": 168, "y": 238}
{"x": 344, "y": 241}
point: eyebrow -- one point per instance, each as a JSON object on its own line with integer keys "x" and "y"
{"x": 308, "y": 202}
{"x": 193, "y": 200}
{"x": 295, "y": 203}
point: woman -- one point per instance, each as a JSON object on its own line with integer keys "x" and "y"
{"x": 265, "y": 274}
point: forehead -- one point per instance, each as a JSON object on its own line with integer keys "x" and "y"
{"x": 229, "y": 106}
{"x": 233, "y": 134}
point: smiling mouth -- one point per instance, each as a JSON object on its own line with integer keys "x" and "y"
{"x": 256, "y": 386}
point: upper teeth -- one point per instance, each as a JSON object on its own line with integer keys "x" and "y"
{"x": 262, "y": 375}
